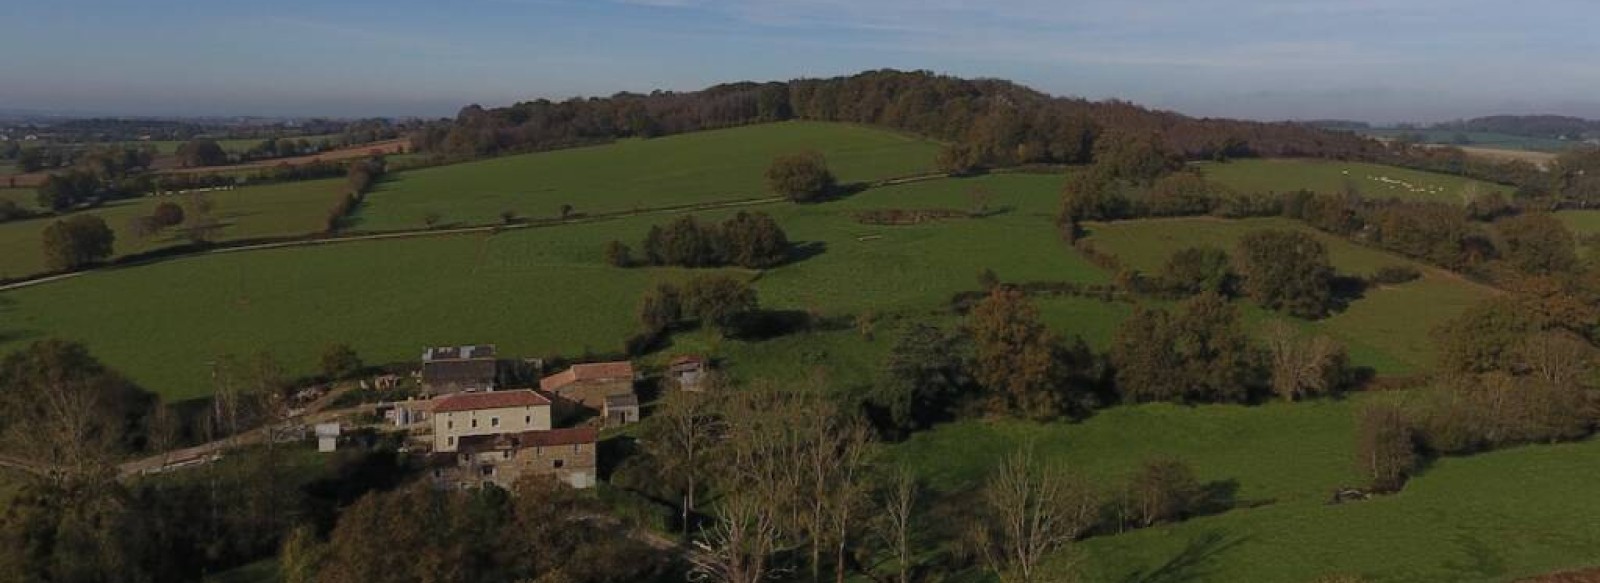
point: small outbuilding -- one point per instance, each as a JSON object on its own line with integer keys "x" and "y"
{"x": 327, "y": 437}
{"x": 688, "y": 372}
{"x": 621, "y": 410}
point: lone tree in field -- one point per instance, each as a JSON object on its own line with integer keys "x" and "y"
{"x": 800, "y": 177}
{"x": 1163, "y": 490}
{"x": 168, "y": 214}
{"x": 76, "y": 242}
{"x": 1286, "y": 271}
{"x": 618, "y": 254}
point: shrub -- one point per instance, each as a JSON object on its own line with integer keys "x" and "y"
{"x": 800, "y": 177}
{"x": 1385, "y": 451}
{"x": 168, "y": 214}
{"x": 618, "y": 254}
{"x": 1395, "y": 275}
{"x": 1163, "y": 490}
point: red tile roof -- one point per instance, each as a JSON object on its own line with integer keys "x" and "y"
{"x": 489, "y": 400}
{"x": 547, "y": 438}
{"x": 599, "y": 371}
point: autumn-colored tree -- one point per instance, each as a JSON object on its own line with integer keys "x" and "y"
{"x": 1287, "y": 271}
{"x": 802, "y": 177}
{"x": 1015, "y": 357}
{"x": 1200, "y": 355}
{"x": 1536, "y": 243}
{"x": 168, "y": 214}
{"x": 617, "y": 254}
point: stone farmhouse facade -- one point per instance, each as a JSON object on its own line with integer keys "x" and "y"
{"x": 569, "y": 455}
{"x": 467, "y": 415}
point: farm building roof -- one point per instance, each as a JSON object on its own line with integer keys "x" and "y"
{"x": 489, "y": 400}
{"x": 459, "y": 372}
{"x": 628, "y": 400}
{"x": 593, "y": 372}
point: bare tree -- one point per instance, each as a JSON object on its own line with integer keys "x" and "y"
{"x": 848, "y": 497}
{"x": 737, "y": 547}
{"x": 1302, "y": 366}
{"x": 1385, "y": 452}
{"x": 683, "y": 431}
{"x": 1031, "y": 511}
{"x": 895, "y": 526}
{"x": 1559, "y": 358}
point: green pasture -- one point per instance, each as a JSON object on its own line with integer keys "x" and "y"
{"x": 1497, "y": 516}
{"x": 293, "y": 208}
{"x": 1479, "y": 139}
{"x": 1388, "y": 328}
{"x": 686, "y": 169}
{"x": 1373, "y": 181}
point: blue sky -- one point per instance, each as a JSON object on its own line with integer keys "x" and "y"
{"x": 1381, "y": 60}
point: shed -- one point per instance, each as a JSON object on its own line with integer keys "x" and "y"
{"x": 327, "y": 437}
{"x": 621, "y": 410}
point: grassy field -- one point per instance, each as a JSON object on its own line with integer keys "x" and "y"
{"x": 294, "y": 208}
{"x": 685, "y": 169}
{"x": 168, "y": 147}
{"x": 1491, "y": 517}
{"x": 23, "y": 197}
{"x": 1479, "y": 139}
{"x": 1329, "y": 176}
{"x": 532, "y": 291}
{"x": 1581, "y": 222}
{"x": 1388, "y": 329}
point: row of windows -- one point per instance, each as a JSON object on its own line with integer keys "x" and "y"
{"x": 493, "y": 422}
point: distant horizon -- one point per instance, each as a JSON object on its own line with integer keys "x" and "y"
{"x": 1588, "y": 111}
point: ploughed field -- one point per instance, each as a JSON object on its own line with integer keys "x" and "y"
{"x": 546, "y": 290}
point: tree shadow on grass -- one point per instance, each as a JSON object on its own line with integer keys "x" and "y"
{"x": 803, "y": 250}
{"x": 1346, "y": 290}
{"x": 1195, "y": 560}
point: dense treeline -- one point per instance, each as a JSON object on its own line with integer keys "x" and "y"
{"x": 987, "y": 122}
{"x": 1533, "y": 126}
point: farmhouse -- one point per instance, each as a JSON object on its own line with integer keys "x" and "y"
{"x": 687, "y": 372}
{"x": 567, "y": 454}
{"x": 456, "y": 369}
{"x": 460, "y": 416}
{"x": 590, "y": 384}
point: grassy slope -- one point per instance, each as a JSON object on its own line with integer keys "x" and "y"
{"x": 1329, "y": 176}
{"x": 685, "y": 169}
{"x": 1491, "y": 517}
{"x": 1481, "y": 139}
{"x": 293, "y": 208}
{"x": 532, "y": 291}
{"x": 1387, "y": 329}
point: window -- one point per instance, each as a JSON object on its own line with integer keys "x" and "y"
{"x": 577, "y": 448}
{"x": 527, "y": 420}
{"x": 494, "y": 421}
{"x": 505, "y": 455}
{"x": 449, "y": 425}
{"x": 560, "y": 463}
{"x": 438, "y": 474}
{"x": 451, "y": 440}
{"x": 488, "y": 471}
{"x": 474, "y": 423}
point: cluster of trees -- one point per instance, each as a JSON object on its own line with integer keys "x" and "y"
{"x": 718, "y": 300}
{"x": 103, "y": 160}
{"x": 747, "y": 239}
{"x": 989, "y": 122}
{"x": 201, "y": 152}
{"x": 541, "y": 531}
